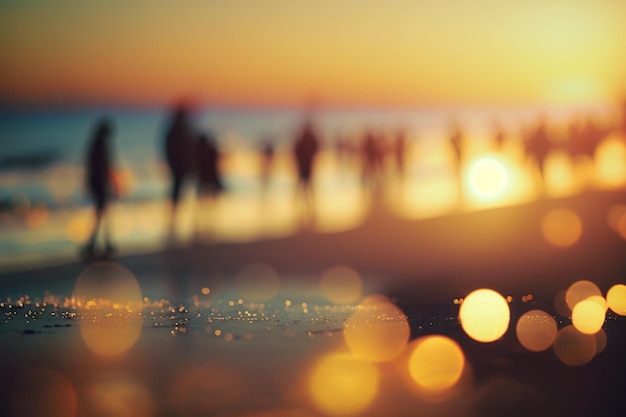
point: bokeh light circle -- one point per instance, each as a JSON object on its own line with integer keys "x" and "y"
{"x": 536, "y": 330}
{"x": 342, "y": 385}
{"x": 588, "y": 316}
{"x": 487, "y": 177}
{"x": 561, "y": 227}
{"x": 436, "y": 363}
{"x": 257, "y": 282}
{"x": 43, "y": 392}
{"x": 377, "y": 331}
{"x": 616, "y": 299}
{"x": 341, "y": 285}
{"x": 574, "y": 348}
{"x": 119, "y": 394}
{"x": 579, "y": 291}
{"x": 484, "y": 315}
{"x": 109, "y": 300}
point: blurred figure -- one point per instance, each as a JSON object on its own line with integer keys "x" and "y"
{"x": 179, "y": 140}
{"x": 538, "y": 146}
{"x": 456, "y": 141}
{"x": 305, "y": 150}
{"x": 267, "y": 161}
{"x": 372, "y": 162}
{"x": 498, "y": 137}
{"x": 399, "y": 151}
{"x": 100, "y": 184}
{"x": 207, "y": 165}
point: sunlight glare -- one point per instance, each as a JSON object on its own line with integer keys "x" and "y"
{"x": 487, "y": 178}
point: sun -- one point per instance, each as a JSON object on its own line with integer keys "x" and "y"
{"x": 487, "y": 178}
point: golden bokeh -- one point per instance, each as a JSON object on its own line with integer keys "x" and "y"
{"x": 436, "y": 363}
{"x": 341, "y": 285}
{"x": 616, "y": 299}
{"x": 109, "y": 300}
{"x": 487, "y": 178}
{"x": 378, "y": 331}
{"x": 561, "y": 227}
{"x": 574, "y": 348}
{"x": 119, "y": 394}
{"x": 42, "y": 392}
{"x": 536, "y": 330}
{"x": 560, "y": 304}
{"x": 257, "y": 282}
{"x": 484, "y": 315}
{"x": 579, "y": 291}
{"x": 343, "y": 385}
{"x": 615, "y": 214}
{"x": 588, "y": 316}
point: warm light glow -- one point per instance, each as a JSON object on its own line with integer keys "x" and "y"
{"x": 257, "y": 282}
{"x": 561, "y": 227}
{"x": 588, "y": 316}
{"x": 601, "y": 340}
{"x": 343, "y": 385}
{"x": 436, "y": 363}
{"x": 536, "y": 330}
{"x": 579, "y": 291}
{"x": 484, "y": 315}
{"x": 119, "y": 394}
{"x": 560, "y": 305}
{"x": 42, "y": 392}
{"x": 110, "y": 302}
{"x": 377, "y": 331}
{"x": 610, "y": 157}
{"x": 574, "y": 348}
{"x": 341, "y": 285}
{"x": 616, "y": 299}
{"x": 487, "y": 178}
{"x": 615, "y": 215}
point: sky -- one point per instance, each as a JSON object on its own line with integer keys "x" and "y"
{"x": 282, "y": 52}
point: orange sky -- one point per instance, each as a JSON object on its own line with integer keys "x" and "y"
{"x": 342, "y": 52}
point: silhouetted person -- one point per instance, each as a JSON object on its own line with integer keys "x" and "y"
{"x": 372, "y": 159}
{"x": 207, "y": 166}
{"x": 538, "y": 146}
{"x": 99, "y": 182}
{"x": 267, "y": 161}
{"x": 305, "y": 150}
{"x": 179, "y": 143}
{"x": 399, "y": 151}
{"x": 209, "y": 179}
{"x": 456, "y": 141}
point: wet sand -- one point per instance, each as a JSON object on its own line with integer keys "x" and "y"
{"x": 180, "y": 366}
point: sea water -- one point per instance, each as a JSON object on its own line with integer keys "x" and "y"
{"x": 42, "y": 156}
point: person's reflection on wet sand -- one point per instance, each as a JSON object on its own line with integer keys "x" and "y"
{"x": 100, "y": 185}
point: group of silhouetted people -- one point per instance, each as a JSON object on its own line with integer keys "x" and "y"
{"x": 192, "y": 156}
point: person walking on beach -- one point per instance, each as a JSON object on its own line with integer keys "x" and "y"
{"x": 305, "y": 150}
{"x": 179, "y": 142}
{"x": 207, "y": 165}
{"x": 100, "y": 184}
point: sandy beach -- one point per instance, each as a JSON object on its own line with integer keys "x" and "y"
{"x": 220, "y": 354}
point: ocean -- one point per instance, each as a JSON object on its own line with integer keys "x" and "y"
{"x": 42, "y": 154}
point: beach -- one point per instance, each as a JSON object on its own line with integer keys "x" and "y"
{"x": 206, "y": 349}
